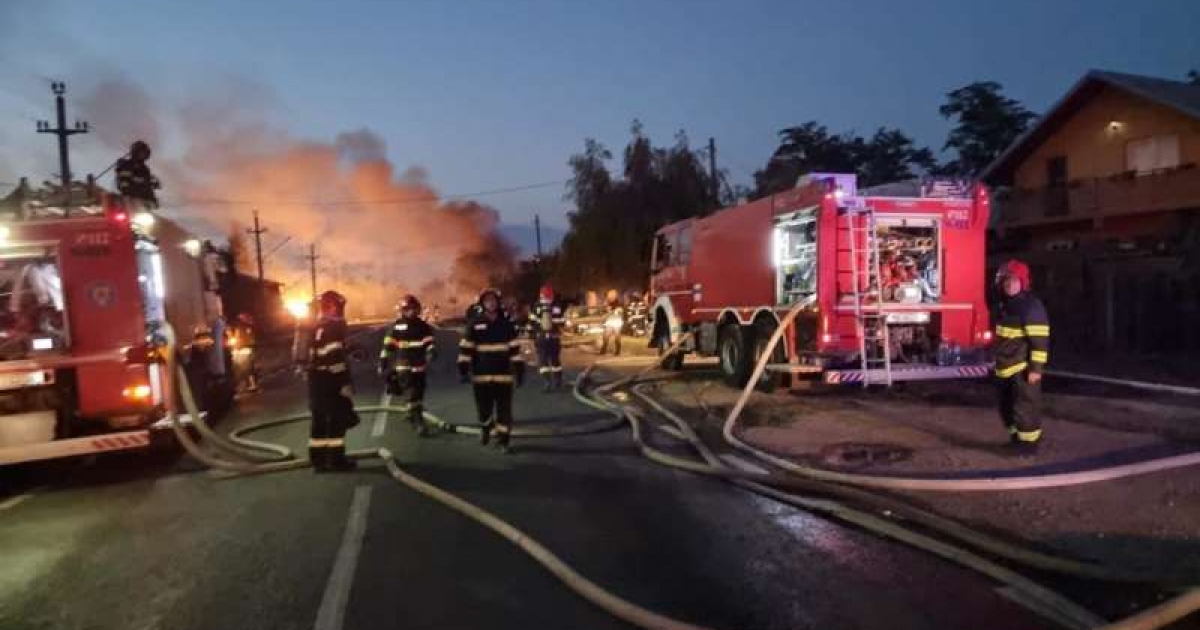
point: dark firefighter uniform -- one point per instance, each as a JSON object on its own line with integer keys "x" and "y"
{"x": 1022, "y": 348}
{"x": 329, "y": 388}
{"x": 491, "y": 355}
{"x": 407, "y": 352}
{"x": 134, "y": 179}
{"x": 548, "y": 319}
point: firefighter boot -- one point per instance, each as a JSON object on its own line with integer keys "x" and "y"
{"x": 416, "y": 415}
{"x": 558, "y": 378}
{"x": 318, "y": 457}
{"x": 502, "y": 439}
{"x": 339, "y": 462}
{"x": 485, "y": 432}
{"x": 549, "y": 384}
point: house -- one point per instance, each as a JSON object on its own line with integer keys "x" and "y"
{"x": 1102, "y": 198}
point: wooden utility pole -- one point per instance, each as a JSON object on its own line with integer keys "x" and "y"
{"x": 258, "y": 231}
{"x": 63, "y": 132}
{"x": 537, "y": 231}
{"x": 712, "y": 171}
{"x": 312, "y": 267}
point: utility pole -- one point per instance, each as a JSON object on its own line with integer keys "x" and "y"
{"x": 537, "y": 231}
{"x": 312, "y": 267}
{"x": 258, "y": 232}
{"x": 712, "y": 171}
{"x": 63, "y": 132}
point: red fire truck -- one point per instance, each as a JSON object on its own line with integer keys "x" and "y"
{"x": 85, "y": 291}
{"x": 892, "y": 288}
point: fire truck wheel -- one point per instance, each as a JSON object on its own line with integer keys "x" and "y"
{"x": 732, "y": 350}
{"x": 763, "y": 329}
{"x": 662, "y": 342}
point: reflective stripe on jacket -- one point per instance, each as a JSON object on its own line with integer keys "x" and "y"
{"x": 1022, "y": 336}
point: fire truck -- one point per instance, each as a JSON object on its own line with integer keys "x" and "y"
{"x": 890, "y": 284}
{"x": 86, "y": 292}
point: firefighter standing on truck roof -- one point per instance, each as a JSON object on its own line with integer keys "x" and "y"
{"x": 134, "y": 179}
{"x": 330, "y": 393}
{"x": 1022, "y": 350}
{"x": 490, "y": 354}
{"x": 548, "y": 319}
{"x": 407, "y": 351}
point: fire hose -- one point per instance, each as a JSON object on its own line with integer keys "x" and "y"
{"x": 1047, "y": 602}
{"x": 258, "y": 457}
{"x": 1029, "y": 482}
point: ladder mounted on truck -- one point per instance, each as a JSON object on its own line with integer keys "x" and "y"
{"x": 874, "y": 345}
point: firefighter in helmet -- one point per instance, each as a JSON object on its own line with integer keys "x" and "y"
{"x": 408, "y": 350}
{"x": 134, "y": 179}
{"x": 1022, "y": 349}
{"x": 614, "y": 322}
{"x": 548, "y": 321}
{"x": 330, "y": 393}
{"x": 490, "y": 356}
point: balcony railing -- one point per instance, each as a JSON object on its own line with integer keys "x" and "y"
{"x": 1123, "y": 194}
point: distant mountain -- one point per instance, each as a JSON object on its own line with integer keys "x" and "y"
{"x": 525, "y": 238}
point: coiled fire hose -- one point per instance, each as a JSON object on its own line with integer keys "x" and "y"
{"x": 1057, "y": 480}
{"x": 622, "y": 609}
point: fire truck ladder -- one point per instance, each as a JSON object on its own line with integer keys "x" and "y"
{"x": 874, "y": 346}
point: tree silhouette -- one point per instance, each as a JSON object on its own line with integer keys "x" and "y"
{"x": 986, "y": 123}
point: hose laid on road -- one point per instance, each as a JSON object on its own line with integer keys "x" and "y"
{"x": 622, "y": 609}
{"x": 1027, "y": 482}
{"x": 896, "y": 508}
{"x": 1066, "y": 612}
{"x": 1048, "y": 603}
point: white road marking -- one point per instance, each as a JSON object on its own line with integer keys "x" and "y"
{"x": 381, "y": 416}
{"x": 13, "y": 502}
{"x": 332, "y": 613}
{"x": 743, "y": 464}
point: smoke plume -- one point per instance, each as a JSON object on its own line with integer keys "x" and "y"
{"x": 378, "y": 232}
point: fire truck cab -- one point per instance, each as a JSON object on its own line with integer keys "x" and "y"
{"x": 86, "y": 294}
{"x": 890, "y": 283}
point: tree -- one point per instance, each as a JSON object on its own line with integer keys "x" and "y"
{"x": 891, "y": 156}
{"x": 986, "y": 123}
{"x": 608, "y": 242}
{"x": 807, "y": 148}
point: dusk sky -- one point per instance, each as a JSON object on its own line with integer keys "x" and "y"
{"x": 488, "y": 94}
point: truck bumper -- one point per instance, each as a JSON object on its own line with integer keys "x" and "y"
{"x": 909, "y": 373}
{"x": 123, "y": 441}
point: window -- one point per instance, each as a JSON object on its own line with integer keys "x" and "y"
{"x": 1056, "y": 199}
{"x": 662, "y": 251}
{"x": 1152, "y": 154}
{"x": 796, "y": 259}
{"x": 32, "y": 306}
{"x": 684, "y": 251}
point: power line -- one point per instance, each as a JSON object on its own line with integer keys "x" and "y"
{"x": 370, "y": 202}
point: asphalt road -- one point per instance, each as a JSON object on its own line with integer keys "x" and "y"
{"x": 129, "y": 541}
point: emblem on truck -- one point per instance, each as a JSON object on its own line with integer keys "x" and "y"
{"x": 102, "y": 294}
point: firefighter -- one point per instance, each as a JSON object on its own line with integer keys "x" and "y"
{"x": 614, "y": 322}
{"x": 330, "y": 393}
{"x": 245, "y": 341}
{"x": 134, "y": 179}
{"x": 490, "y": 355}
{"x": 196, "y": 358}
{"x": 1021, "y": 351}
{"x": 548, "y": 321}
{"x": 408, "y": 350}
